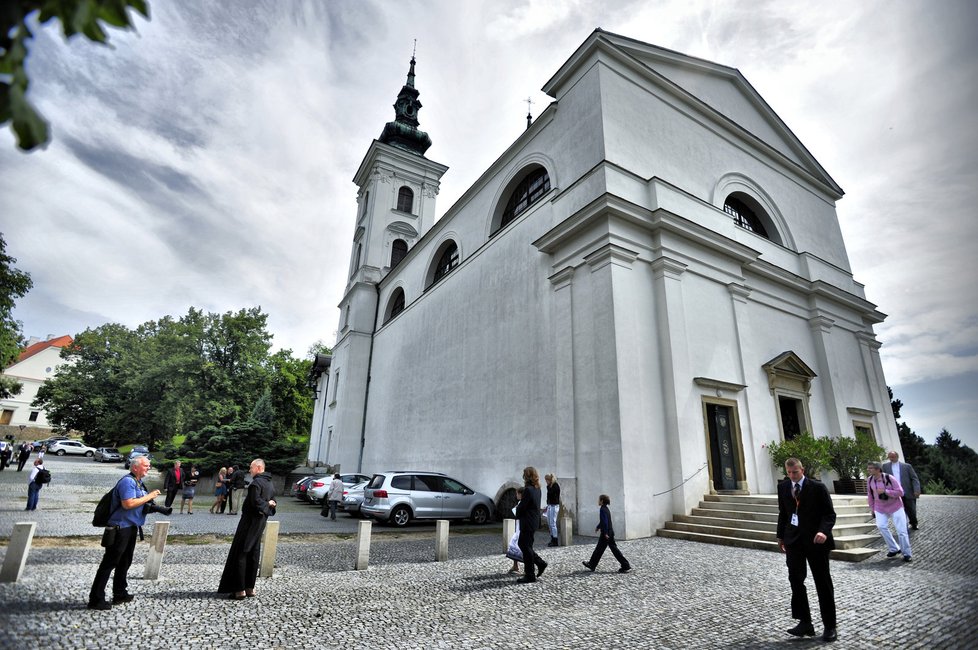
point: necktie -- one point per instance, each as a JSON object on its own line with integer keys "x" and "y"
{"x": 797, "y": 490}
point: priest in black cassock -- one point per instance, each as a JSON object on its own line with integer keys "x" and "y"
{"x": 241, "y": 568}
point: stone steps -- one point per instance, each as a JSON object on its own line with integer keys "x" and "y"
{"x": 750, "y": 521}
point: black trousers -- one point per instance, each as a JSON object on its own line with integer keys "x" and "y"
{"x": 910, "y": 506}
{"x": 531, "y": 560}
{"x": 230, "y": 500}
{"x": 604, "y": 543}
{"x": 21, "y": 462}
{"x": 117, "y": 557}
{"x": 799, "y": 558}
{"x": 171, "y": 494}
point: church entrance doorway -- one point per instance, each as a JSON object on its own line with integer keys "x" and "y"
{"x": 723, "y": 448}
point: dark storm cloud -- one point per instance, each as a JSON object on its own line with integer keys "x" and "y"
{"x": 147, "y": 178}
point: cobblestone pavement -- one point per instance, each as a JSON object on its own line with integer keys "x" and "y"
{"x": 681, "y": 594}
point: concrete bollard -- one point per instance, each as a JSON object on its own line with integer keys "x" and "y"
{"x": 269, "y": 545}
{"x": 363, "y": 546}
{"x": 154, "y": 561}
{"x": 17, "y": 550}
{"x": 441, "y": 540}
{"x": 509, "y": 529}
{"x": 565, "y": 531}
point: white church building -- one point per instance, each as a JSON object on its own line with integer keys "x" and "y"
{"x": 646, "y": 288}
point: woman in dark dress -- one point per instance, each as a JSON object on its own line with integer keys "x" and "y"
{"x": 528, "y": 514}
{"x": 241, "y": 568}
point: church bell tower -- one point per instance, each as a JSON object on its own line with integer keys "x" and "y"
{"x": 397, "y": 188}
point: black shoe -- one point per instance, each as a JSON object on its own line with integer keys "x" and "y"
{"x": 122, "y": 598}
{"x": 553, "y": 542}
{"x": 830, "y": 634}
{"x": 893, "y": 554}
{"x": 803, "y": 629}
{"x": 541, "y": 568}
{"x": 523, "y": 581}
{"x": 625, "y": 569}
{"x": 913, "y": 528}
{"x": 906, "y": 558}
{"x": 101, "y": 605}
{"x": 588, "y": 567}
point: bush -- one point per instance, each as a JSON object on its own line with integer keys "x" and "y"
{"x": 938, "y": 487}
{"x": 848, "y": 456}
{"x": 811, "y": 451}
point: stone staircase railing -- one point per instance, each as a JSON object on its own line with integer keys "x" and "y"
{"x": 751, "y": 522}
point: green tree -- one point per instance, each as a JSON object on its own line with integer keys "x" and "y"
{"x": 89, "y": 393}
{"x": 85, "y": 17}
{"x": 14, "y": 284}
{"x": 290, "y": 394}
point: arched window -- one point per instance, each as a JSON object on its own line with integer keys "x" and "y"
{"x": 744, "y": 215}
{"x": 533, "y": 186}
{"x": 398, "y": 251}
{"x": 447, "y": 262}
{"x": 396, "y": 304}
{"x": 405, "y": 200}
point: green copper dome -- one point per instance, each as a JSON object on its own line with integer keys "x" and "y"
{"x": 403, "y": 132}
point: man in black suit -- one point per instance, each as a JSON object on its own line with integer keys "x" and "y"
{"x": 172, "y": 482}
{"x": 805, "y": 521}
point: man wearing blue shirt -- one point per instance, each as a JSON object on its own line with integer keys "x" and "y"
{"x": 128, "y": 498}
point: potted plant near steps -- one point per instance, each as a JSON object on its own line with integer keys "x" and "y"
{"x": 848, "y": 456}
{"x": 813, "y": 453}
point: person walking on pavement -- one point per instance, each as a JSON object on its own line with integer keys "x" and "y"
{"x": 24, "y": 455}
{"x": 553, "y": 507}
{"x": 528, "y": 514}
{"x": 606, "y": 538}
{"x": 885, "y": 496}
{"x": 906, "y": 476}
{"x": 172, "y": 482}
{"x": 190, "y": 480}
{"x": 128, "y": 516}
{"x": 237, "y": 483}
{"x": 220, "y": 491}
{"x": 241, "y": 569}
{"x": 33, "y": 486}
{"x": 333, "y": 496}
{"x": 6, "y": 453}
{"x": 805, "y": 521}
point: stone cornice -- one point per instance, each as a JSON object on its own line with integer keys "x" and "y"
{"x": 611, "y": 254}
{"x": 718, "y": 384}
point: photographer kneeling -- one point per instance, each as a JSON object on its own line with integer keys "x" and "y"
{"x": 130, "y": 504}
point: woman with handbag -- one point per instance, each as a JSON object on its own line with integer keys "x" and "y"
{"x": 220, "y": 491}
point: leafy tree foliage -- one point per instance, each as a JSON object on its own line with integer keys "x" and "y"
{"x": 208, "y": 377}
{"x": 14, "y": 284}
{"x": 85, "y": 17}
{"x": 946, "y": 467}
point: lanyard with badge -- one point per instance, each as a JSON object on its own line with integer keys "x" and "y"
{"x": 797, "y": 497}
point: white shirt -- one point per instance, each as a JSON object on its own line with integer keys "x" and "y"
{"x": 895, "y": 471}
{"x": 34, "y": 473}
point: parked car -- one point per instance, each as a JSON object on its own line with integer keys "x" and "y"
{"x": 353, "y": 499}
{"x": 399, "y": 497}
{"x": 136, "y": 452}
{"x": 301, "y": 487}
{"x": 107, "y": 455}
{"x": 316, "y": 490}
{"x": 47, "y": 442}
{"x": 73, "y": 447}
{"x": 295, "y": 486}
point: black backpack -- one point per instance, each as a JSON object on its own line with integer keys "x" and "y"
{"x": 43, "y": 477}
{"x": 104, "y": 508}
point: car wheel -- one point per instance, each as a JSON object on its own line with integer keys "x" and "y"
{"x": 60, "y": 452}
{"x": 480, "y": 515}
{"x": 401, "y": 516}
{"x": 89, "y": 454}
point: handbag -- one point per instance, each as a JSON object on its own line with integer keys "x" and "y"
{"x": 109, "y": 535}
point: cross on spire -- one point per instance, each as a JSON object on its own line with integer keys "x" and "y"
{"x": 529, "y": 116}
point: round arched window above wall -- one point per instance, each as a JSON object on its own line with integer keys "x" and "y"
{"x": 744, "y": 214}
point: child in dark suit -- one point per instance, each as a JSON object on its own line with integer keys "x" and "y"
{"x": 606, "y": 538}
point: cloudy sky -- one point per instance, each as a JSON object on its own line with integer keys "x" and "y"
{"x": 207, "y": 159}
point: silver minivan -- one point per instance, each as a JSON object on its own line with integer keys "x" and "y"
{"x": 398, "y": 497}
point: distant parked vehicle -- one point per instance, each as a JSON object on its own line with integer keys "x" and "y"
{"x": 353, "y": 499}
{"x": 399, "y": 497}
{"x": 47, "y": 442}
{"x": 317, "y": 490}
{"x": 301, "y": 488}
{"x": 135, "y": 453}
{"x": 107, "y": 455}
{"x": 72, "y": 447}
{"x": 294, "y": 492}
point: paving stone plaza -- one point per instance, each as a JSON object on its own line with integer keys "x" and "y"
{"x": 680, "y": 595}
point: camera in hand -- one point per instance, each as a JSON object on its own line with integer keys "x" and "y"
{"x": 884, "y": 496}
{"x": 151, "y": 508}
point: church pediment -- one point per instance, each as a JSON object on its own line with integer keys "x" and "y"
{"x": 714, "y": 89}
{"x": 402, "y": 228}
{"x": 787, "y": 370}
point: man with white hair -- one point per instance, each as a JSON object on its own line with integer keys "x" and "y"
{"x": 128, "y": 516}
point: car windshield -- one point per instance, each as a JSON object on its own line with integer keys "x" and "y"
{"x": 110, "y": 450}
